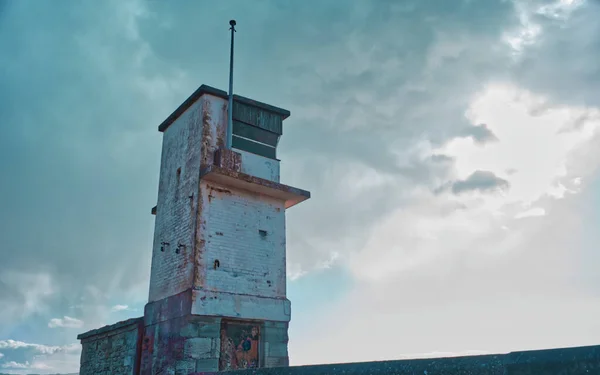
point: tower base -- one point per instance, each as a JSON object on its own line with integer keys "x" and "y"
{"x": 176, "y": 341}
{"x": 169, "y": 339}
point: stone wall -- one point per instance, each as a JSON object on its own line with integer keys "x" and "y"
{"x": 112, "y": 350}
{"x": 176, "y": 342}
{"x": 275, "y": 344}
{"x": 568, "y": 361}
{"x": 181, "y": 345}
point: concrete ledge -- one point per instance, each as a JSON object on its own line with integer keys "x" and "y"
{"x": 113, "y": 328}
{"x": 168, "y": 308}
{"x": 290, "y": 195}
{"x": 567, "y": 361}
{"x": 222, "y": 304}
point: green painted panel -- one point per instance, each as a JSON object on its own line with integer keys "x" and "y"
{"x": 258, "y": 117}
{"x": 256, "y": 134}
{"x": 253, "y": 147}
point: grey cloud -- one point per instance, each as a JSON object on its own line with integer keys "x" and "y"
{"x": 561, "y": 64}
{"x": 480, "y": 133}
{"x": 505, "y": 280}
{"x": 83, "y": 149}
{"x": 480, "y": 181}
{"x": 84, "y": 87}
{"x": 356, "y": 79}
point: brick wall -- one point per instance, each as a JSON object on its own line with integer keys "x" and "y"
{"x": 112, "y": 349}
{"x": 172, "y": 267}
{"x": 245, "y": 234}
{"x": 188, "y": 143}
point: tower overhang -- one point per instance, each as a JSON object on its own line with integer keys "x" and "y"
{"x": 229, "y": 177}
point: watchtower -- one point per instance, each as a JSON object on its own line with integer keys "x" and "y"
{"x": 217, "y": 297}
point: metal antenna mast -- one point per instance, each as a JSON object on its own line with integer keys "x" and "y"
{"x": 230, "y": 104}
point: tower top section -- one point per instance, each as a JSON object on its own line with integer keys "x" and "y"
{"x": 271, "y": 117}
{"x": 249, "y": 125}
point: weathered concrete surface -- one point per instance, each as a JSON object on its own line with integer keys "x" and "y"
{"x": 172, "y": 266}
{"x": 113, "y": 349}
{"x": 237, "y": 100}
{"x": 228, "y": 159}
{"x": 240, "y": 306}
{"x": 259, "y": 166}
{"x": 244, "y": 249}
{"x": 181, "y": 345}
{"x": 567, "y": 361}
{"x": 241, "y": 181}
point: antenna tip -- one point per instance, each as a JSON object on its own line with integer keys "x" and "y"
{"x": 232, "y": 22}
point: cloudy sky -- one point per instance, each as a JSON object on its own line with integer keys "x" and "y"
{"x": 452, "y": 150}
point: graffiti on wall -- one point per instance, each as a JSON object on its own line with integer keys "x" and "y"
{"x": 239, "y": 346}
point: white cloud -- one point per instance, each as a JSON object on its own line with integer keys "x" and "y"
{"x": 65, "y": 322}
{"x": 1, "y": 355}
{"x": 537, "y": 211}
{"x": 15, "y": 365}
{"x": 117, "y": 308}
{"x": 25, "y": 365}
{"x": 534, "y": 149}
{"x": 19, "y": 355}
{"x": 37, "y": 348}
{"x": 538, "y": 153}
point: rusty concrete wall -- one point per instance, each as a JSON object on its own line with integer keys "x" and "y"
{"x": 275, "y": 348}
{"x": 181, "y": 345}
{"x": 112, "y": 349}
{"x": 190, "y": 343}
{"x": 259, "y": 166}
{"x": 172, "y": 253}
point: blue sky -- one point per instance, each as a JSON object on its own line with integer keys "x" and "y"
{"x": 451, "y": 148}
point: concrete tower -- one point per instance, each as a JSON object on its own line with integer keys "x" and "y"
{"x": 217, "y": 297}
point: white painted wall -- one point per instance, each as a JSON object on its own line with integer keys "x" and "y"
{"x": 259, "y": 166}
{"x": 249, "y": 263}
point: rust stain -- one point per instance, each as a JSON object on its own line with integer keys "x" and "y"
{"x": 207, "y": 137}
{"x": 213, "y": 189}
{"x": 220, "y": 190}
{"x": 228, "y": 159}
{"x": 259, "y": 181}
{"x": 222, "y": 128}
{"x": 148, "y": 345}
